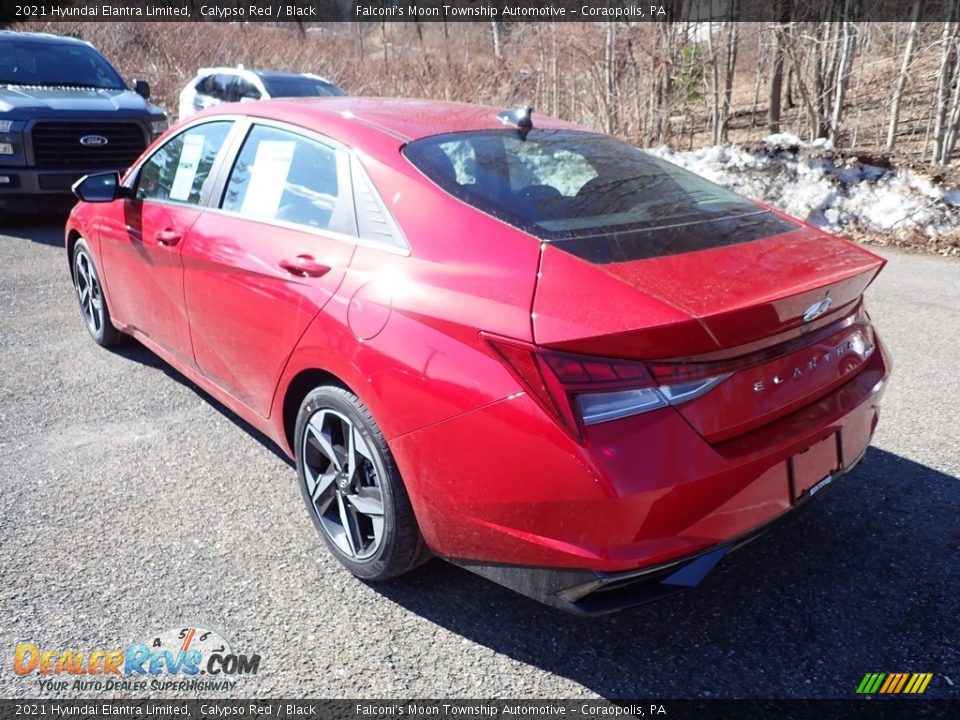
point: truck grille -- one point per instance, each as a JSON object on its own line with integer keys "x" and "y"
{"x": 57, "y": 144}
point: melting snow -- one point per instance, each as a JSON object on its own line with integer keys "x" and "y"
{"x": 809, "y": 182}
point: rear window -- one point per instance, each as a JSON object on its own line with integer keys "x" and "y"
{"x": 298, "y": 86}
{"x": 590, "y": 194}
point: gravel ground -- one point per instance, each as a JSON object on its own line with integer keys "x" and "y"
{"x": 133, "y": 503}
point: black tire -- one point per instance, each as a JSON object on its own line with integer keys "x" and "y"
{"x": 328, "y": 416}
{"x": 86, "y": 284}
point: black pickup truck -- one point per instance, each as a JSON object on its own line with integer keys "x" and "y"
{"x": 64, "y": 112}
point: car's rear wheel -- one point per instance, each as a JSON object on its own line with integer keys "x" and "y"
{"x": 93, "y": 305}
{"x": 352, "y": 487}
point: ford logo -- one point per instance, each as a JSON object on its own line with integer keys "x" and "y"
{"x": 817, "y": 309}
{"x": 93, "y": 140}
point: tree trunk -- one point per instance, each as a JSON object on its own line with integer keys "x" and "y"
{"x": 947, "y": 60}
{"x": 497, "y": 31}
{"x": 733, "y": 36}
{"x": 842, "y": 79}
{"x": 902, "y": 78}
{"x": 953, "y": 124}
{"x": 610, "y": 78}
{"x": 776, "y": 80}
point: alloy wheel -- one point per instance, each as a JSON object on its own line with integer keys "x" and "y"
{"x": 343, "y": 483}
{"x": 89, "y": 294}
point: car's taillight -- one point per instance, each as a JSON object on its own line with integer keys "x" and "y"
{"x": 580, "y": 390}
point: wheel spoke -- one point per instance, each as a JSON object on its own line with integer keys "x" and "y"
{"x": 360, "y": 445}
{"x": 322, "y": 484}
{"x": 368, "y": 501}
{"x": 347, "y": 525}
{"x": 323, "y": 443}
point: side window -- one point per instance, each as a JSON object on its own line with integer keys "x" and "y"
{"x": 280, "y": 175}
{"x": 220, "y": 86}
{"x": 246, "y": 90}
{"x": 205, "y": 86}
{"x": 374, "y": 221}
{"x": 179, "y": 168}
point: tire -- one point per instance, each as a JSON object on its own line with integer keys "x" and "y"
{"x": 361, "y": 490}
{"x": 93, "y": 305}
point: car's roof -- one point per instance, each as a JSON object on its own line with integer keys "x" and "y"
{"x": 41, "y": 38}
{"x": 281, "y": 74}
{"x": 402, "y": 118}
{"x": 253, "y": 71}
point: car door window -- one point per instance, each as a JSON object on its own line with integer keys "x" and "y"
{"x": 177, "y": 171}
{"x": 219, "y": 86}
{"x": 246, "y": 90}
{"x": 205, "y": 86}
{"x": 280, "y": 175}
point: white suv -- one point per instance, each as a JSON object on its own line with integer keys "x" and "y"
{"x": 213, "y": 86}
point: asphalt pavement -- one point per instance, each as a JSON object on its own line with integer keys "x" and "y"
{"x": 132, "y": 503}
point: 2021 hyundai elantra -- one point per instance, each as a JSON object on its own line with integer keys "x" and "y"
{"x": 522, "y": 346}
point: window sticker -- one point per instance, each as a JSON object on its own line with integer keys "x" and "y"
{"x": 268, "y": 178}
{"x": 187, "y": 167}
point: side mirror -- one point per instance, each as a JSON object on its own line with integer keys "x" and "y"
{"x": 142, "y": 88}
{"x": 99, "y": 188}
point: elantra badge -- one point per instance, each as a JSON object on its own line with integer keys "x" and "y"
{"x": 817, "y": 309}
{"x": 93, "y": 140}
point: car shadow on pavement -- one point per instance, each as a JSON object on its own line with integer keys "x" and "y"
{"x": 863, "y": 579}
{"x": 136, "y": 352}
{"x": 46, "y": 229}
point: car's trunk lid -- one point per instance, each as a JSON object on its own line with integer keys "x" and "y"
{"x": 711, "y": 306}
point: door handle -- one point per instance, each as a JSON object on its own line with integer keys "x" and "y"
{"x": 304, "y": 266}
{"x": 167, "y": 236}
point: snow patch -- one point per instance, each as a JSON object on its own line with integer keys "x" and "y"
{"x": 825, "y": 190}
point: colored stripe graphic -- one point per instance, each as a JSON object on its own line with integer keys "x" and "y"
{"x": 894, "y": 683}
{"x": 870, "y": 683}
{"x": 903, "y": 680}
{"x": 892, "y": 679}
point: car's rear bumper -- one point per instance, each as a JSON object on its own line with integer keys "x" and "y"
{"x": 587, "y": 592}
{"x": 502, "y": 487}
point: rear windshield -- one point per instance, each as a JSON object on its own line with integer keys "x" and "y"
{"x": 590, "y": 194}
{"x": 298, "y": 86}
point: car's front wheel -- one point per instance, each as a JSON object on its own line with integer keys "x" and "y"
{"x": 93, "y": 305}
{"x": 352, "y": 487}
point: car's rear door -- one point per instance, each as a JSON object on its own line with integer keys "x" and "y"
{"x": 260, "y": 266}
{"x": 142, "y": 236}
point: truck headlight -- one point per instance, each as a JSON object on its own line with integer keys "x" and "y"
{"x": 6, "y": 149}
{"x": 158, "y": 126}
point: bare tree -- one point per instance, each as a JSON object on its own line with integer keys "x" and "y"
{"x": 610, "y": 76}
{"x": 945, "y": 78}
{"x": 496, "y": 30}
{"x": 776, "y": 77}
{"x": 902, "y": 78}
{"x": 842, "y": 74}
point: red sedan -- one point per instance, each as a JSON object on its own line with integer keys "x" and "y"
{"x": 522, "y": 346}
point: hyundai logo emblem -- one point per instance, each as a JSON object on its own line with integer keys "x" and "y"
{"x": 93, "y": 140}
{"x": 817, "y": 309}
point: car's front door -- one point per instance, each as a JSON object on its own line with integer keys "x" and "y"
{"x": 259, "y": 269}
{"x": 142, "y": 238}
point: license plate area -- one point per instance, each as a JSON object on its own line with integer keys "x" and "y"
{"x": 813, "y": 468}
